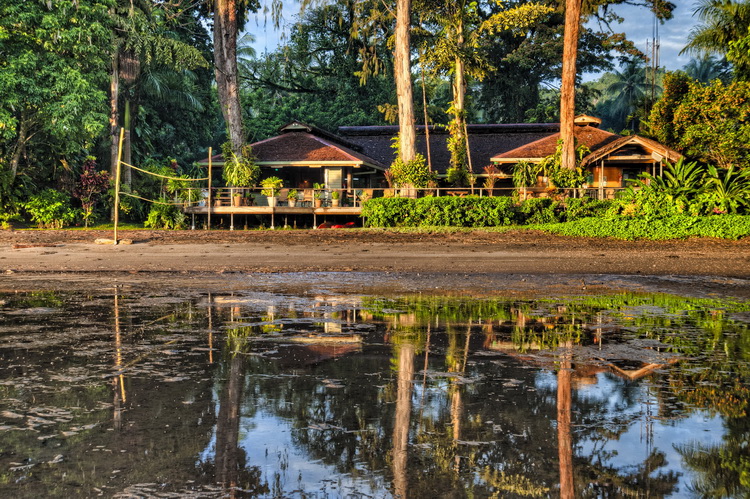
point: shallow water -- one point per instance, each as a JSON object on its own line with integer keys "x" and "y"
{"x": 149, "y": 393}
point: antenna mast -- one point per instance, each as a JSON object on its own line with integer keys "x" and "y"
{"x": 654, "y": 46}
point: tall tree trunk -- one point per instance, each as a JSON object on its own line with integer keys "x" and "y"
{"x": 567, "y": 88}
{"x": 226, "y": 27}
{"x": 458, "y": 127}
{"x": 127, "y": 148}
{"x": 426, "y": 123}
{"x": 402, "y": 75}
{"x": 114, "y": 97}
{"x": 23, "y": 131}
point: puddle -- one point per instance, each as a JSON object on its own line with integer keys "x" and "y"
{"x": 134, "y": 392}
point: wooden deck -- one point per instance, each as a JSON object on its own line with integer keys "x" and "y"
{"x": 274, "y": 210}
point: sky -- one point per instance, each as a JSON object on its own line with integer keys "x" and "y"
{"x": 638, "y": 25}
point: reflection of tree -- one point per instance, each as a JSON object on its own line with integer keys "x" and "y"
{"x": 230, "y": 459}
{"x": 722, "y": 470}
{"x": 403, "y": 418}
{"x": 564, "y": 437}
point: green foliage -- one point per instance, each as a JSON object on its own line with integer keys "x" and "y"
{"x": 564, "y": 178}
{"x": 271, "y": 186}
{"x": 710, "y": 123}
{"x": 164, "y": 215}
{"x": 687, "y": 188}
{"x": 239, "y": 171}
{"x": 414, "y": 173}
{"x": 670, "y": 227}
{"x": 576, "y": 208}
{"x": 661, "y": 124}
{"x": 540, "y": 211}
{"x": 525, "y": 174}
{"x": 474, "y": 211}
{"x": 439, "y": 211}
{"x": 51, "y": 209}
{"x": 52, "y": 78}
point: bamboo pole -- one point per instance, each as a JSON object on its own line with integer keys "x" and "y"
{"x": 117, "y": 185}
{"x": 210, "y": 198}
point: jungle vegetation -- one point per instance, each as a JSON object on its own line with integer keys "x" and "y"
{"x": 180, "y": 77}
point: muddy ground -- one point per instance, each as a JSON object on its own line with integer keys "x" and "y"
{"x": 378, "y": 261}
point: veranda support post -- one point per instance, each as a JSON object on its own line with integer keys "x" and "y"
{"x": 209, "y": 200}
{"x": 117, "y": 185}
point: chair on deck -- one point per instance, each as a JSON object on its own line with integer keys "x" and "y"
{"x": 283, "y": 196}
{"x": 307, "y": 197}
{"x": 363, "y": 195}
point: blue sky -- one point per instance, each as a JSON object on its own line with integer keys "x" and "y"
{"x": 638, "y": 25}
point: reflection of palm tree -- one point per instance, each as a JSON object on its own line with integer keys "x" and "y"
{"x": 722, "y": 470}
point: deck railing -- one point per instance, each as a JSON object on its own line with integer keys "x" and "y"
{"x": 354, "y": 197}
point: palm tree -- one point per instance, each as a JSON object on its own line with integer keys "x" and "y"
{"x": 722, "y": 22}
{"x": 706, "y": 68}
{"x": 629, "y": 90}
{"x": 142, "y": 45}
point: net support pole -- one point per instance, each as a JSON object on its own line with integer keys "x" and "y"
{"x": 118, "y": 170}
{"x": 210, "y": 197}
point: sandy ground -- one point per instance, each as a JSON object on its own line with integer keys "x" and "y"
{"x": 475, "y": 261}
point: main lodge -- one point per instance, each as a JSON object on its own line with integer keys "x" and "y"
{"x": 334, "y": 173}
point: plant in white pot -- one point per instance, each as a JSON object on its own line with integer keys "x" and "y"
{"x": 271, "y": 187}
{"x": 292, "y": 197}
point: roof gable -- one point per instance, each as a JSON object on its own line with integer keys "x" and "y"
{"x": 629, "y": 145}
{"x": 591, "y": 137}
{"x": 300, "y": 147}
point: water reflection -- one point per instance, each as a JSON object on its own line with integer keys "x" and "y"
{"x": 127, "y": 393}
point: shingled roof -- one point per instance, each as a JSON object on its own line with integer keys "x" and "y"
{"x": 484, "y": 140}
{"x": 299, "y": 144}
{"x": 302, "y": 148}
{"x": 591, "y": 137}
{"x": 656, "y": 150}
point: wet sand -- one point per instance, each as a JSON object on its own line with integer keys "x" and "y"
{"x": 475, "y": 262}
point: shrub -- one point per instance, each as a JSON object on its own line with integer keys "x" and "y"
{"x": 575, "y": 208}
{"x": 439, "y": 211}
{"x": 540, "y": 211}
{"x": 672, "y": 227}
{"x": 51, "y": 209}
{"x": 164, "y": 215}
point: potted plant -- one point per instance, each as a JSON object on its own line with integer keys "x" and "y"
{"x": 292, "y": 197}
{"x": 239, "y": 171}
{"x": 335, "y": 198}
{"x": 318, "y": 195}
{"x": 271, "y": 187}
